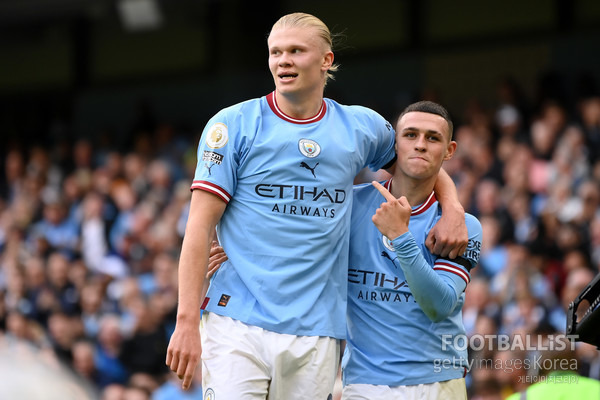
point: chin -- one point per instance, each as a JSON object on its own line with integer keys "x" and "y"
{"x": 284, "y": 89}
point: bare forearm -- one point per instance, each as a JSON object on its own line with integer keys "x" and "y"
{"x": 192, "y": 271}
{"x": 205, "y": 212}
{"x": 445, "y": 192}
{"x": 449, "y": 237}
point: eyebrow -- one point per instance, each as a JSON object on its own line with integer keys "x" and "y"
{"x": 413, "y": 129}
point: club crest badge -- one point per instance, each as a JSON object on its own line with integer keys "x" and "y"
{"x": 209, "y": 394}
{"x": 217, "y": 136}
{"x": 387, "y": 243}
{"x": 309, "y": 148}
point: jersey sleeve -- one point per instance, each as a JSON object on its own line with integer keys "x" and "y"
{"x": 218, "y": 157}
{"x": 382, "y": 142}
{"x": 438, "y": 289}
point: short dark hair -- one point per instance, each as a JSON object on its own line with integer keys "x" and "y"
{"x": 430, "y": 107}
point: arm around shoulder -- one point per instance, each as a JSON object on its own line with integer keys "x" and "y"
{"x": 449, "y": 237}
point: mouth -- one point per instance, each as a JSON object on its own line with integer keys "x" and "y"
{"x": 287, "y": 76}
{"x": 418, "y": 158}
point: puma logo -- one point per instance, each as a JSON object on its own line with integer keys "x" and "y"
{"x": 386, "y": 255}
{"x": 312, "y": 170}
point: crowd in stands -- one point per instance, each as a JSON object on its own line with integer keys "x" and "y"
{"x": 90, "y": 236}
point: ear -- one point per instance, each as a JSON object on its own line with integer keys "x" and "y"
{"x": 327, "y": 61}
{"x": 450, "y": 150}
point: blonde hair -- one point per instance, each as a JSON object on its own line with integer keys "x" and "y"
{"x": 303, "y": 20}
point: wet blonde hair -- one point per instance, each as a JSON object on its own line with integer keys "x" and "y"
{"x": 303, "y": 20}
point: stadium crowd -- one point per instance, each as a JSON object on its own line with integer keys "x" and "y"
{"x": 90, "y": 234}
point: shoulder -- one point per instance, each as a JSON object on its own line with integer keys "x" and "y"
{"x": 363, "y": 201}
{"x": 355, "y": 110}
{"x": 228, "y": 121}
{"x": 362, "y": 189}
{"x": 365, "y": 195}
{"x": 242, "y": 108}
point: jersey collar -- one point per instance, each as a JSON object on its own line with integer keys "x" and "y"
{"x": 273, "y": 104}
{"x": 419, "y": 209}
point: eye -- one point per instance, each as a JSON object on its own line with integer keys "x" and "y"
{"x": 409, "y": 134}
{"x": 296, "y": 51}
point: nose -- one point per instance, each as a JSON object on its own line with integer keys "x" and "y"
{"x": 420, "y": 143}
{"x": 285, "y": 59}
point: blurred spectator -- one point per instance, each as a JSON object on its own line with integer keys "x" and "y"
{"x": 63, "y": 333}
{"x": 113, "y": 392}
{"x": 146, "y": 349}
{"x": 160, "y": 183}
{"x": 522, "y": 222}
{"x": 523, "y": 314}
{"x": 109, "y": 343}
{"x": 489, "y": 202}
{"x": 59, "y": 284}
{"x": 595, "y": 241}
{"x": 83, "y": 360}
{"x": 125, "y": 200}
{"x": 588, "y": 203}
{"x": 135, "y": 393}
{"x": 134, "y": 167}
{"x": 577, "y": 279}
{"x": 478, "y": 304}
{"x": 38, "y": 292}
{"x": 142, "y": 384}
{"x": 511, "y": 371}
{"x": 494, "y": 253}
{"x": 488, "y": 389}
{"x": 94, "y": 246}
{"x": 589, "y": 112}
{"x": 18, "y": 327}
{"x": 93, "y": 309}
{"x": 14, "y": 175}
{"x": 55, "y": 232}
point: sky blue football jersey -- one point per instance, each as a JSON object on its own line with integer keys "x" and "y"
{"x": 288, "y": 188}
{"x": 391, "y": 341}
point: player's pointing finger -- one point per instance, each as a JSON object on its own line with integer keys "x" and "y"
{"x": 385, "y": 193}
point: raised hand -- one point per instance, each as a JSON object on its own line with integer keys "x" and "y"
{"x": 392, "y": 217}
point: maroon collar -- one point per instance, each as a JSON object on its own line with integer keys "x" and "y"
{"x": 273, "y": 104}
{"x": 419, "y": 209}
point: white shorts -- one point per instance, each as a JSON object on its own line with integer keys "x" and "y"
{"x": 454, "y": 389}
{"x": 244, "y": 362}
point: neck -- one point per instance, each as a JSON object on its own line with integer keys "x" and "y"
{"x": 299, "y": 106}
{"x": 416, "y": 191}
